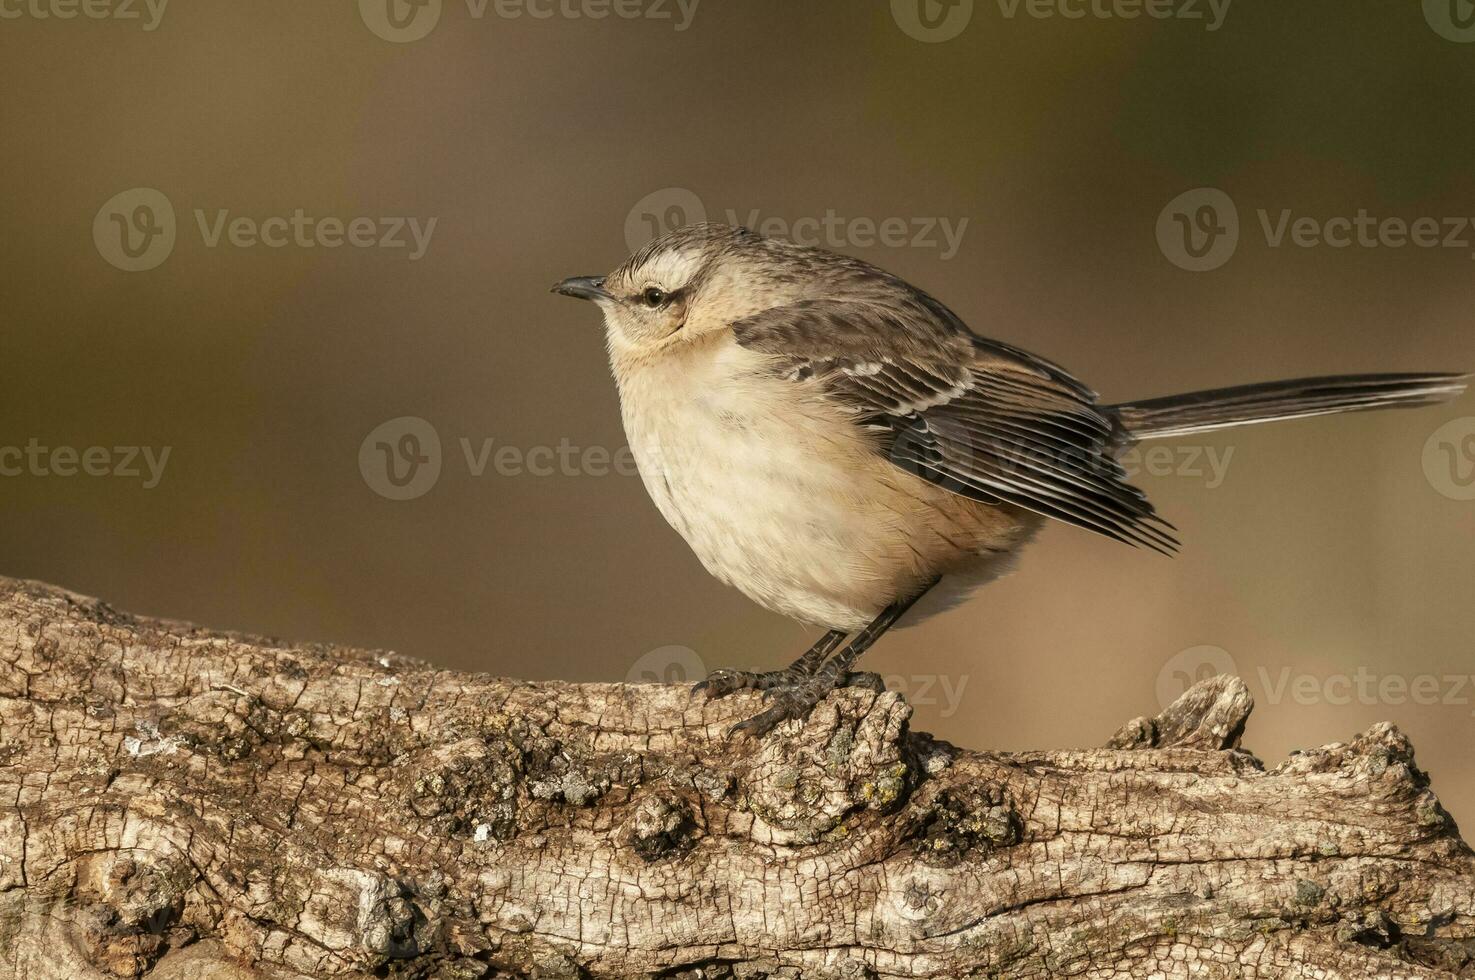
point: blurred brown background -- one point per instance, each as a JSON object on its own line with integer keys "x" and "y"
{"x": 1329, "y": 563}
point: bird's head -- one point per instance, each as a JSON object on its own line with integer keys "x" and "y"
{"x": 687, "y": 284}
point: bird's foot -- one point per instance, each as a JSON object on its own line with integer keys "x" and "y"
{"x": 797, "y": 700}
{"x": 795, "y": 690}
{"x": 721, "y": 683}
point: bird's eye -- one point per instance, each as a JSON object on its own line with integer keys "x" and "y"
{"x": 653, "y": 297}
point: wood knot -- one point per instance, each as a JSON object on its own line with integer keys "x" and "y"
{"x": 849, "y": 757}
{"x": 349, "y": 909}
{"x": 969, "y": 822}
{"x": 659, "y": 827}
{"x": 1368, "y": 929}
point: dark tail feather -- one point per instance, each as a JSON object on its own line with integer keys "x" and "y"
{"x": 1202, "y": 411}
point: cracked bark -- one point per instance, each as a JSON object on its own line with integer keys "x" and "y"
{"x": 181, "y": 803}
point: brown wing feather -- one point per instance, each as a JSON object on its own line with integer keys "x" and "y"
{"x": 977, "y": 417}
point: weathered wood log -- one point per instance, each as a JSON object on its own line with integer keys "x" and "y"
{"x": 181, "y": 803}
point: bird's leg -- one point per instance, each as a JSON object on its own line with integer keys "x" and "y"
{"x": 724, "y": 682}
{"x": 798, "y": 700}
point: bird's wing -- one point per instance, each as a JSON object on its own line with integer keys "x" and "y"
{"x": 977, "y": 417}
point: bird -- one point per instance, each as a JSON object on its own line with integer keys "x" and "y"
{"x": 840, "y": 447}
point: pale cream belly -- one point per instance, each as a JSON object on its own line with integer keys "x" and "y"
{"x": 801, "y": 514}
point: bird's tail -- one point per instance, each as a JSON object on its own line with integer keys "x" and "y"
{"x": 1202, "y": 411}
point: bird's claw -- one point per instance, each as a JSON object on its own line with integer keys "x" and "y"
{"x": 766, "y": 721}
{"x": 798, "y": 699}
{"x": 721, "y": 683}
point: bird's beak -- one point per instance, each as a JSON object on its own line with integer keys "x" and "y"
{"x": 583, "y": 287}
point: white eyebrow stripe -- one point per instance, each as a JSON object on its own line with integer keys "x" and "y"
{"x": 671, "y": 270}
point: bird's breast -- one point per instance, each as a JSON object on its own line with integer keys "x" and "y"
{"x": 782, "y": 496}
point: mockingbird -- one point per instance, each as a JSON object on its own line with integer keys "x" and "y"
{"x": 839, "y": 446}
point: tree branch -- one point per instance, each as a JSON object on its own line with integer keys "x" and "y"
{"x": 182, "y": 803}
